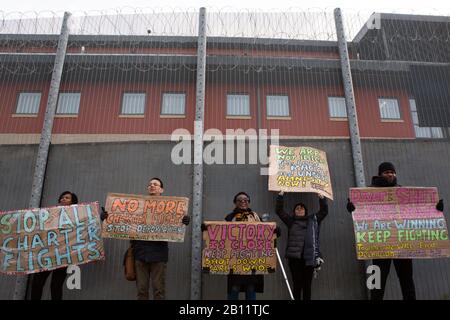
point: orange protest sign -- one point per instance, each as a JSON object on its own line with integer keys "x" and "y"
{"x": 138, "y": 217}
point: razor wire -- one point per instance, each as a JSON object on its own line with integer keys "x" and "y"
{"x": 265, "y": 70}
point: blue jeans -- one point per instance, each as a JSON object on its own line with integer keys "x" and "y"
{"x": 250, "y": 293}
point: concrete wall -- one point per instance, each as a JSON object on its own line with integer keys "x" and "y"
{"x": 92, "y": 170}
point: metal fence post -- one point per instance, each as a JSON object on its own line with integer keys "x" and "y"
{"x": 196, "y": 255}
{"x": 20, "y": 287}
{"x": 355, "y": 139}
{"x": 350, "y": 101}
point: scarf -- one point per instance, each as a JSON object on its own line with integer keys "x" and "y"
{"x": 245, "y": 215}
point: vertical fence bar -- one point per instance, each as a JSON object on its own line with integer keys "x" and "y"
{"x": 350, "y": 101}
{"x": 20, "y": 287}
{"x": 196, "y": 259}
{"x": 358, "y": 165}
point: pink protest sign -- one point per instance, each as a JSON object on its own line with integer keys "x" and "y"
{"x": 239, "y": 247}
{"x": 398, "y": 223}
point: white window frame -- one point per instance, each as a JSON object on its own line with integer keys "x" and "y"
{"x": 397, "y": 104}
{"x": 423, "y": 132}
{"x": 61, "y": 99}
{"x": 246, "y": 98}
{"x": 164, "y": 103}
{"x": 337, "y": 107}
{"x": 283, "y": 106}
{"x": 125, "y": 96}
{"x": 34, "y": 109}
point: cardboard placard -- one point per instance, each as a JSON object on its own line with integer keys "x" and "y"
{"x": 398, "y": 223}
{"x": 151, "y": 218}
{"x": 41, "y": 239}
{"x": 239, "y": 247}
{"x": 299, "y": 169}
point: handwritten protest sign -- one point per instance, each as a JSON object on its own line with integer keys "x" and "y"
{"x": 398, "y": 223}
{"x": 42, "y": 239}
{"x": 138, "y": 217}
{"x": 240, "y": 247}
{"x": 299, "y": 169}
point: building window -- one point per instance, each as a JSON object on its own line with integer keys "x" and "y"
{"x": 68, "y": 103}
{"x": 337, "y": 107}
{"x": 423, "y": 132}
{"x": 173, "y": 104}
{"x": 28, "y": 103}
{"x": 389, "y": 109}
{"x": 238, "y": 105}
{"x": 277, "y": 106}
{"x": 133, "y": 103}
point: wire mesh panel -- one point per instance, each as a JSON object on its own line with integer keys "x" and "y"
{"x": 408, "y": 52}
{"x": 129, "y": 82}
{"x": 400, "y": 77}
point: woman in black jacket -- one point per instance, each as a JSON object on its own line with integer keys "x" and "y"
{"x": 250, "y": 284}
{"x": 302, "y": 250}
{"x": 66, "y": 198}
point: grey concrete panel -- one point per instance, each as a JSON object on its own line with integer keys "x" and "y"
{"x": 16, "y": 175}
{"x": 92, "y": 170}
{"x": 419, "y": 163}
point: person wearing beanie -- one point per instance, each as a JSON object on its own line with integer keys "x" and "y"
{"x": 387, "y": 177}
{"x": 386, "y": 166}
{"x": 302, "y": 251}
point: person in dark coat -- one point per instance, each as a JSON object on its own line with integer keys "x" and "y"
{"x": 387, "y": 177}
{"x": 66, "y": 198}
{"x": 151, "y": 257}
{"x": 303, "y": 250}
{"x": 250, "y": 284}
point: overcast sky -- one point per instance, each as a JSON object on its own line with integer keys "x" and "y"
{"x": 437, "y": 7}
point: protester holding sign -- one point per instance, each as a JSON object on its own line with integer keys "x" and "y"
{"x": 250, "y": 284}
{"x": 66, "y": 198}
{"x": 299, "y": 169}
{"x": 239, "y": 247}
{"x": 151, "y": 257}
{"x": 303, "y": 250}
{"x": 387, "y": 178}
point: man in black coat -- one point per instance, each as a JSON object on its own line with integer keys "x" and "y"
{"x": 387, "y": 177}
{"x": 151, "y": 257}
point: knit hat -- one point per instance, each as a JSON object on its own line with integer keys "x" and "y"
{"x": 385, "y": 166}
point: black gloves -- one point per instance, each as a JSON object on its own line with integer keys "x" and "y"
{"x": 350, "y": 206}
{"x": 103, "y": 214}
{"x": 440, "y": 205}
{"x": 186, "y": 220}
{"x": 203, "y": 227}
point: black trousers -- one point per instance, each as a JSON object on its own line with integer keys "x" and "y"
{"x": 404, "y": 269}
{"x": 302, "y": 277}
{"x": 56, "y": 286}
